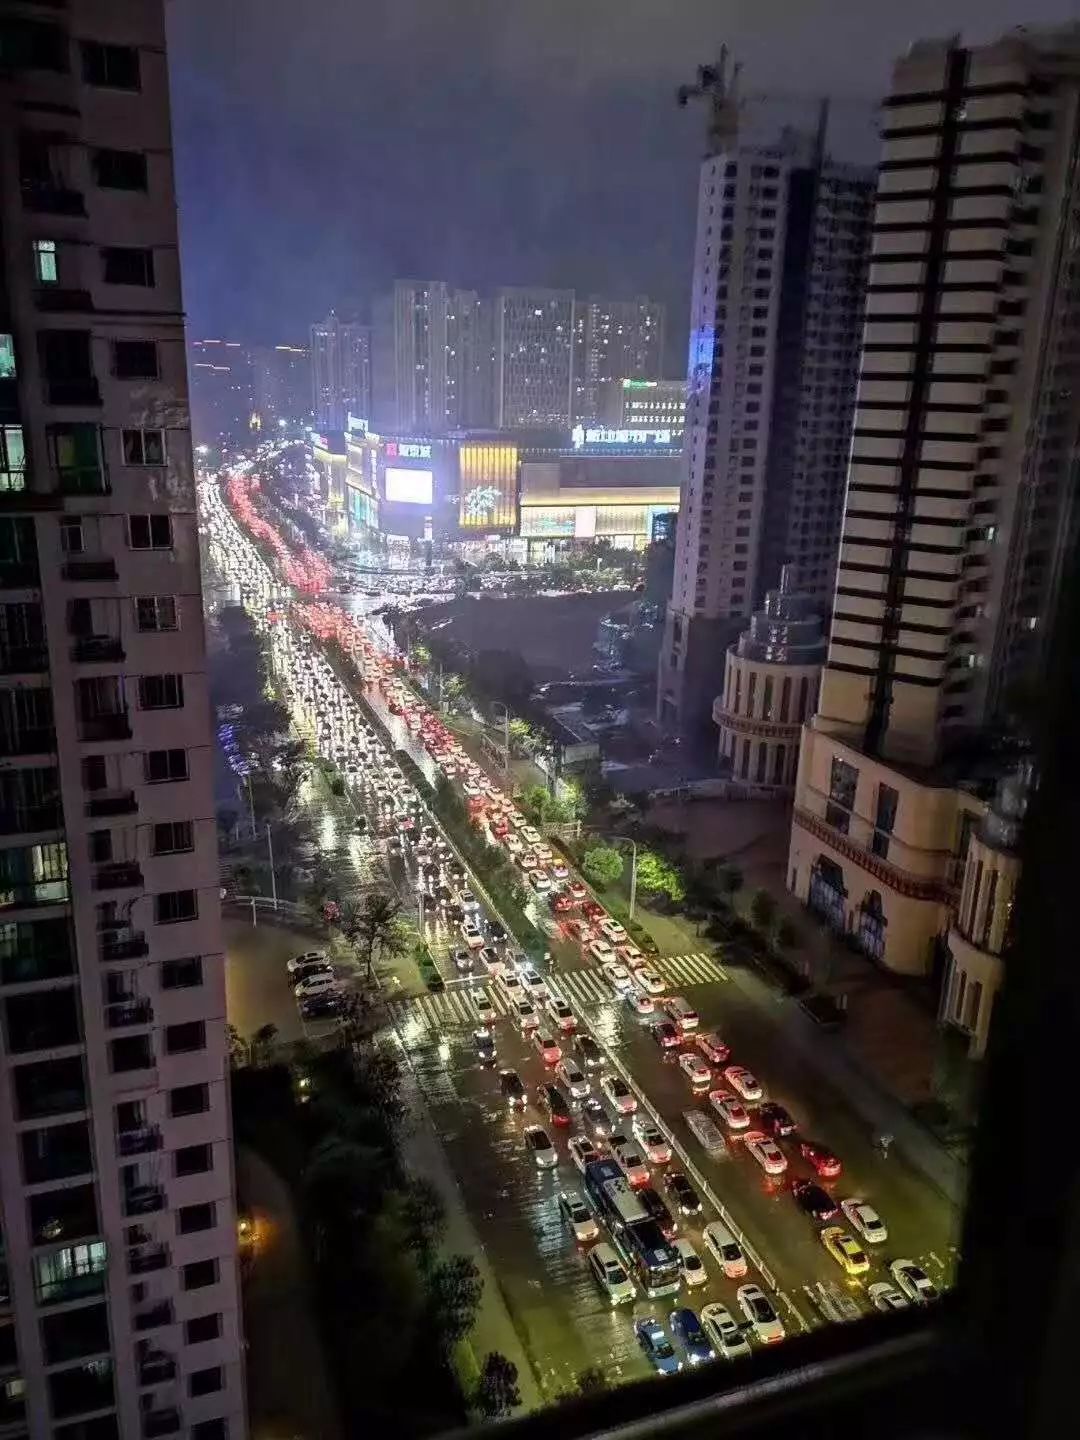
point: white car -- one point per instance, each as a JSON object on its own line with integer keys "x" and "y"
{"x": 484, "y": 1008}
{"x": 706, "y": 1132}
{"x": 648, "y": 980}
{"x": 315, "y": 985}
{"x": 534, "y": 983}
{"x": 724, "y": 1332}
{"x": 524, "y": 1012}
{"x": 913, "y": 1282}
{"x": 632, "y": 956}
{"x": 691, "y": 1264}
{"x": 766, "y": 1152}
{"x": 578, "y": 1217}
{"x": 865, "y": 1221}
{"x": 618, "y": 977}
{"x": 610, "y": 1275}
{"x": 613, "y": 930}
{"x": 712, "y": 1047}
{"x": 725, "y": 1249}
{"x": 574, "y": 1079}
{"x": 531, "y": 836}
{"x": 884, "y": 1296}
{"x": 755, "y": 1305}
{"x": 600, "y": 950}
{"x": 472, "y": 934}
{"x": 651, "y": 1139}
{"x": 640, "y": 1004}
{"x": 619, "y": 1093}
{"x": 561, "y": 1012}
{"x": 630, "y": 1160}
{"x": 540, "y": 880}
{"x": 741, "y": 1080}
{"x": 514, "y": 844}
{"x": 695, "y": 1070}
{"x": 582, "y": 1151}
{"x": 309, "y": 957}
{"x": 559, "y": 870}
{"x": 512, "y": 986}
{"x": 540, "y": 1147}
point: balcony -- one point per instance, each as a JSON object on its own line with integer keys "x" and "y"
{"x": 119, "y": 875}
{"x": 22, "y": 964}
{"x": 53, "y": 298}
{"x": 156, "y": 1367}
{"x": 102, "y": 569}
{"x": 144, "y": 1259}
{"x": 23, "y": 659}
{"x": 150, "y": 1317}
{"x": 97, "y": 649}
{"x": 129, "y": 946}
{"x": 99, "y": 728}
{"x": 29, "y": 819}
{"x": 142, "y": 1141}
{"x": 78, "y": 390}
{"x": 136, "y": 1011}
{"x": 144, "y": 1200}
{"x": 118, "y": 802}
{"x": 45, "y": 199}
{"x": 19, "y": 574}
{"x": 37, "y": 740}
{"x": 160, "y": 1422}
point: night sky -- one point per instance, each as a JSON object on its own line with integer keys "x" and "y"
{"x": 326, "y": 146}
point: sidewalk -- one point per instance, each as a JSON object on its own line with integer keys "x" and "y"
{"x": 494, "y": 1327}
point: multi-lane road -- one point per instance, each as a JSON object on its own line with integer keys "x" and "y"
{"x": 564, "y": 1322}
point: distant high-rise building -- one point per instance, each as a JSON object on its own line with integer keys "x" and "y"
{"x": 281, "y": 382}
{"x": 614, "y": 339}
{"x": 431, "y": 358}
{"x": 643, "y": 404}
{"x": 960, "y": 519}
{"x": 778, "y": 293}
{"x": 533, "y": 348}
{"x": 340, "y": 371}
{"x": 222, "y": 392}
{"x": 117, "y": 1200}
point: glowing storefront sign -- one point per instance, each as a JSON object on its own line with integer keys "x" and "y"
{"x": 489, "y": 481}
{"x": 409, "y": 487}
{"x": 599, "y": 435}
{"x": 400, "y": 450}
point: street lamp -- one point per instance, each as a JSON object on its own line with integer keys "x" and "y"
{"x": 506, "y": 732}
{"x": 627, "y": 840}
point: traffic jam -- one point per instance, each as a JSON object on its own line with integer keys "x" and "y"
{"x": 628, "y": 1192}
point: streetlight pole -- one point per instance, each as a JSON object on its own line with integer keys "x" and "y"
{"x": 633, "y": 875}
{"x": 506, "y": 733}
{"x": 273, "y": 877}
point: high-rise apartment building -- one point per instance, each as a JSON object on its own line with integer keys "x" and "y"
{"x": 777, "y": 303}
{"x": 432, "y": 358}
{"x": 120, "y": 1310}
{"x": 643, "y": 404}
{"x": 281, "y": 383}
{"x": 533, "y": 346}
{"x": 960, "y": 514}
{"x": 340, "y": 371}
{"x": 614, "y": 339}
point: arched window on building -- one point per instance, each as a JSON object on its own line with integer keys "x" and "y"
{"x": 804, "y": 697}
{"x": 779, "y": 756}
{"x": 828, "y": 893}
{"x": 870, "y": 926}
{"x": 785, "y": 699}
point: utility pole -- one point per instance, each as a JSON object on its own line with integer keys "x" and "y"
{"x": 273, "y": 877}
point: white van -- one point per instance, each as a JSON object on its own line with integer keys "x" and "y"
{"x": 682, "y": 1013}
{"x": 726, "y": 1249}
{"x": 609, "y": 1274}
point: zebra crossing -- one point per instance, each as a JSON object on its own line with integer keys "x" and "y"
{"x": 585, "y": 988}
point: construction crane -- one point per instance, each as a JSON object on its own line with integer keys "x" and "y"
{"x": 719, "y": 85}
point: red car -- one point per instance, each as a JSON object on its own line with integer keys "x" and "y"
{"x": 578, "y": 930}
{"x": 561, "y": 903}
{"x": 593, "y": 910}
{"x": 499, "y": 826}
{"x": 821, "y": 1158}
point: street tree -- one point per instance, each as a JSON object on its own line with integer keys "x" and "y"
{"x": 374, "y": 929}
{"x": 659, "y": 876}
{"x": 602, "y": 865}
{"x": 496, "y": 1392}
{"x": 454, "y": 1290}
{"x": 522, "y": 734}
{"x": 762, "y": 909}
{"x": 423, "y": 1215}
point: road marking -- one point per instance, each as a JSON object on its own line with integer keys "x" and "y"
{"x": 584, "y": 987}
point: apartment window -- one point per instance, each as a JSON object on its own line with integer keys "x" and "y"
{"x": 69, "y": 1213}
{"x": 41, "y": 1020}
{"x": 120, "y": 169}
{"x": 127, "y": 265}
{"x": 95, "y": 773}
{"x": 843, "y": 780}
{"x": 189, "y": 1100}
{"x": 193, "y": 1160}
{"x": 205, "y": 1382}
{"x": 199, "y": 1274}
{"x": 150, "y": 532}
{"x": 785, "y": 699}
{"x": 45, "y": 1088}
{"x": 161, "y": 692}
{"x": 131, "y": 1052}
{"x": 183, "y": 1039}
{"x": 201, "y": 1328}
{"x": 74, "y": 1333}
{"x": 210, "y": 1430}
{"x": 70, "y": 1273}
{"x": 113, "y": 66}
{"x": 135, "y": 359}
{"x": 72, "y": 541}
{"x": 45, "y": 269}
{"x": 162, "y": 766}
{"x": 884, "y": 819}
{"x": 181, "y": 974}
{"x": 156, "y": 612}
{"x": 192, "y": 1218}
{"x": 174, "y": 906}
{"x": 56, "y": 1152}
{"x": 143, "y": 447}
{"x": 173, "y": 837}
{"x": 12, "y": 458}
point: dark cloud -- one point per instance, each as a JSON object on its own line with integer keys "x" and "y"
{"x": 324, "y": 147}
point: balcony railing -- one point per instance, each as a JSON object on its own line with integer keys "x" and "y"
{"x": 129, "y": 946}
{"x": 40, "y": 740}
{"x": 157, "y": 1369}
{"x": 101, "y": 569}
{"x": 144, "y": 1259}
{"x": 15, "y": 895}
{"x": 97, "y": 649}
{"x": 160, "y": 1422}
{"x": 98, "y": 728}
{"x": 25, "y": 963}
{"x": 117, "y": 802}
{"x": 52, "y": 199}
{"x": 129, "y": 1012}
{"x": 151, "y": 1316}
{"x": 28, "y": 819}
{"x": 119, "y": 875}
{"x": 23, "y": 659}
{"x": 19, "y": 574}
{"x": 144, "y": 1200}
{"x": 141, "y": 1141}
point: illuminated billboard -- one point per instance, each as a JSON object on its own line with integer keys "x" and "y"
{"x": 409, "y": 487}
{"x": 488, "y": 487}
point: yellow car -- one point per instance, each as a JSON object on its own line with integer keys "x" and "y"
{"x": 845, "y": 1250}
